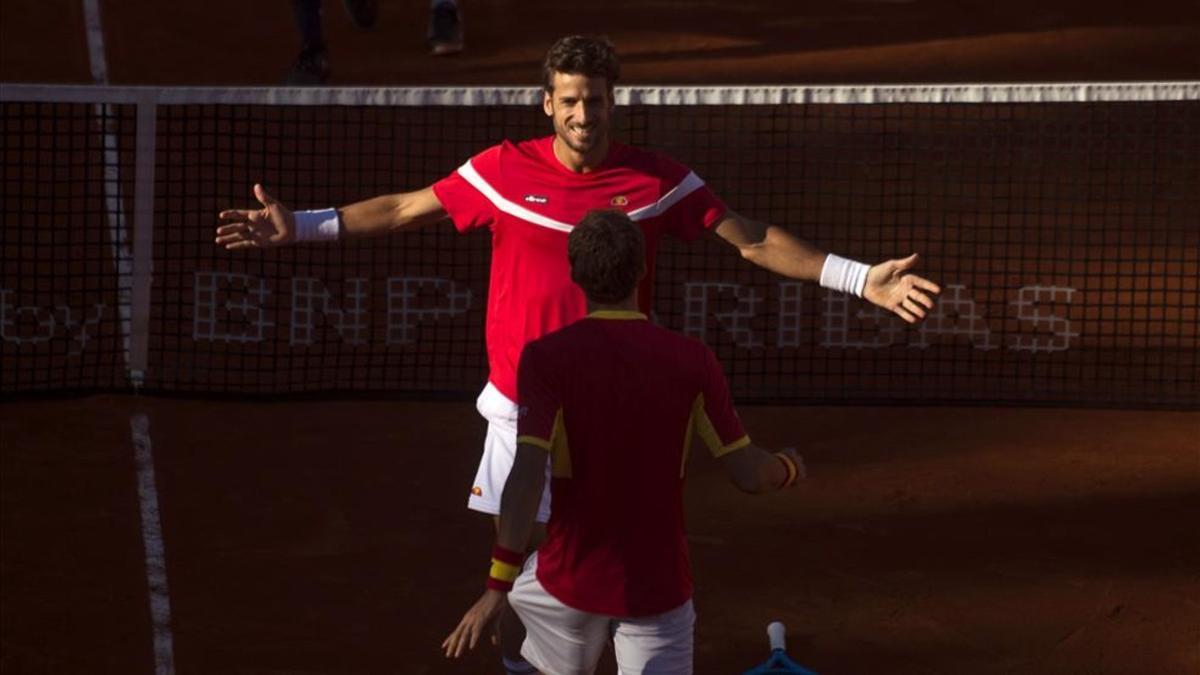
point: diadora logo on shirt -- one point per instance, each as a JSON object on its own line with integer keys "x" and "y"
{"x": 620, "y": 200}
{"x": 537, "y": 199}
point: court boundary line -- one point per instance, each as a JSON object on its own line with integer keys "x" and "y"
{"x": 152, "y": 542}
{"x": 97, "y": 61}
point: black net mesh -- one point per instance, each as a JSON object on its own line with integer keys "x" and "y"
{"x": 1066, "y": 237}
{"x": 64, "y": 282}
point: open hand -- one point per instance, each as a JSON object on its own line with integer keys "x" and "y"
{"x": 483, "y": 617}
{"x": 891, "y": 285}
{"x": 272, "y": 225}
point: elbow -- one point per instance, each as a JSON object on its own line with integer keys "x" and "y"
{"x": 399, "y": 214}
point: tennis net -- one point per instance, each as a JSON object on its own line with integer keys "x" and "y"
{"x": 1062, "y": 221}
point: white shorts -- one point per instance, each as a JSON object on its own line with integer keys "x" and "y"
{"x": 499, "y": 451}
{"x": 566, "y": 641}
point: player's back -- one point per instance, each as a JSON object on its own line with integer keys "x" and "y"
{"x": 629, "y": 395}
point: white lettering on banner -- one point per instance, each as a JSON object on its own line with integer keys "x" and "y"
{"x": 404, "y": 312}
{"x": 789, "y": 314}
{"x": 231, "y": 307}
{"x": 81, "y": 337}
{"x": 214, "y": 319}
{"x": 11, "y": 321}
{"x": 955, "y": 314}
{"x": 734, "y": 321}
{"x": 34, "y": 324}
{"x": 836, "y": 334}
{"x": 1028, "y": 297}
{"x": 310, "y": 296}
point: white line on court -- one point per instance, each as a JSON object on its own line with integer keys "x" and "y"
{"x": 152, "y": 540}
{"x": 95, "y": 41}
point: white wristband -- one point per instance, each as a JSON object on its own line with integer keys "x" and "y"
{"x": 319, "y": 225}
{"x": 845, "y": 275}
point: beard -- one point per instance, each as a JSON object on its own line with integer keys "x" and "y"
{"x": 595, "y": 136}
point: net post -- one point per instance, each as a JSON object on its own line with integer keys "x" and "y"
{"x": 143, "y": 237}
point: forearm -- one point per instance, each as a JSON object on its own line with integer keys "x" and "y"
{"x": 786, "y": 255}
{"x": 772, "y": 247}
{"x": 390, "y": 213}
{"x": 521, "y": 497}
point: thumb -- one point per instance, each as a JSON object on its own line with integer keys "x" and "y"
{"x": 260, "y": 193}
{"x": 907, "y": 263}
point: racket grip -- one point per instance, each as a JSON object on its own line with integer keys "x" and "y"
{"x": 777, "y": 634}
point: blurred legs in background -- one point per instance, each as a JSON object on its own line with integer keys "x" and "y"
{"x": 445, "y": 28}
{"x": 312, "y": 64}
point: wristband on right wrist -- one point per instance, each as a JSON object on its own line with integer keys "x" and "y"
{"x": 506, "y": 567}
{"x": 844, "y": 274}
{"x": 793, "y": 471}
{"x": 320, "y": 225}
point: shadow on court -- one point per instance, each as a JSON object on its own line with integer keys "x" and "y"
{"x": 331, "y": 537}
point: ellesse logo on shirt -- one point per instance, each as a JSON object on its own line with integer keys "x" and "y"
{"x": 537, "y": 199}
{"x": 619, "y": 200}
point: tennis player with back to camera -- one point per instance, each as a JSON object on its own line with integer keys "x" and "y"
{"x": 529, "y": 193}
{"x": 613, "y": 401}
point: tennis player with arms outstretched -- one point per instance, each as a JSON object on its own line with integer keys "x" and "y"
{"x": 614, "y": 402}
{"x": 529, "y": 194}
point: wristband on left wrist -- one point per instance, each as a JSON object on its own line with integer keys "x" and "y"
{"x": 845, "y": 275}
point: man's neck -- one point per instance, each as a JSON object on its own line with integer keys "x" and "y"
{"x": 578, "y": 162}
{"x": 627, "y": 305}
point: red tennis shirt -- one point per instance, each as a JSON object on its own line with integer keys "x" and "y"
{"x": 616, "y": 400}
{"x": 531, "y": 202}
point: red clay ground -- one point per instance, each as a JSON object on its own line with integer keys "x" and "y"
{"x": 331, "y": 537}
{"x": 669, "y": 41}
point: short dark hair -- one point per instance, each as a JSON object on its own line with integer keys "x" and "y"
{"x": 592, "y": 56}
{"x": 608, "y": 256}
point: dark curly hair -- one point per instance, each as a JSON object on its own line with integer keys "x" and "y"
{"x": 608, "y": 256}
{"x": 593, "y": 56}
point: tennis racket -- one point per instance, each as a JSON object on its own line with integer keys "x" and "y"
{"x": 778, "y": 662}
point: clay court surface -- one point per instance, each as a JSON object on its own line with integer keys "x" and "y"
{"x": 227, "y": 42}
{"x": 331, "y": 536}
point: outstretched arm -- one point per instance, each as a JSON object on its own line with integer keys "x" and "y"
{"x": 276, "y": 225}
{"x": 518, "y": 509}
{"x": 889, "y": 284}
